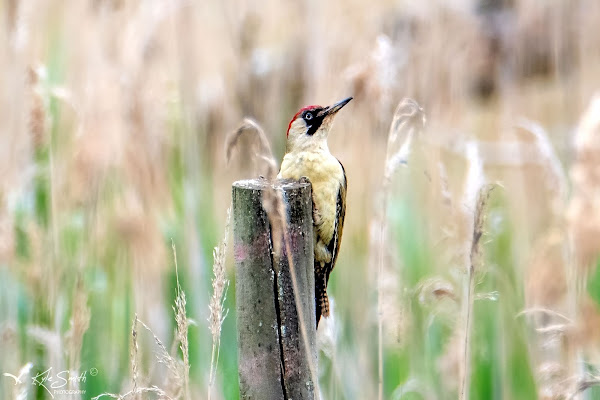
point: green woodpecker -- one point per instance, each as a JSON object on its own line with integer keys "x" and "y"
{"x": 307, "y": 155}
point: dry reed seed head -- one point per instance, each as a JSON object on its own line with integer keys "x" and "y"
{"x": 389, "y": 284}
{"x": 181, "y": 332}
{"x": 546, "y": 283}
{"x": 475, "y": 178}
{"x": 7, "y": 234}
{"x": 134, "y": 353}
{"x": 409, "y": 119}
{"x": 137, "y": 225}
{"x": 80, "y": 322}
{"x": 449, "y": 364}
{"x": 556, "y": 177}
{"x": 218, "y": 313}
{"x": 553, "y": 381}
{"x": 220, "y": 283}
{"x": 260, "y": 149}
{"x": 131, "y": 218}
{"x": 586, "y": 138}
{"x": 375, "y": 79}
{"x": 467, "y": 229}
{"x": 436, "y": 289}
{"x": 37, "y": 114}
{"x": 584, "y": 383}
{"x": 480, "y": 217}
{"x": 585, "y": 333}
{"x": 474, "y": 264}
{"x": 164, "y": 357}
{"x": 440, "y": 298}
{"x": 583, "y": 213}
{"x": 180, "y": 315}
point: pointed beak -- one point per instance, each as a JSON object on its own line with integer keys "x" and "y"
{"x": 331, "y": 110}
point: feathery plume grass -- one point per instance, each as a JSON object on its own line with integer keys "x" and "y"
{"x": 137, "y": 391}
{"x": 408, "y": 120}
{"x": 584, "y": 384}
{"x": 474, "y": 197}
{"x": 164, "y": 357}
{"x": 182, "y": 328}
{"x": 218, "y": 313}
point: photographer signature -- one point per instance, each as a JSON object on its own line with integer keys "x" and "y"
{"x": 48, "y": 380}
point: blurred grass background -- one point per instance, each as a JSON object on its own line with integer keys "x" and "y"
{"x": 113, "y": 118}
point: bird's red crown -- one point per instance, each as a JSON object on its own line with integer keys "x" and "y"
{"x": 298, "y": 114}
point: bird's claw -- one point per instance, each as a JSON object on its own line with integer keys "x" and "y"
{"x": 304, "y": 179}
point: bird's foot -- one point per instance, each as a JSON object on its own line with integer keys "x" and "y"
{"x": 304, "y": 179}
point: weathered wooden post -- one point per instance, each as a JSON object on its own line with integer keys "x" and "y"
{"x": 275, "y": 360}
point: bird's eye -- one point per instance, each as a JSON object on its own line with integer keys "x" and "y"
{"x": 308, "y": 116}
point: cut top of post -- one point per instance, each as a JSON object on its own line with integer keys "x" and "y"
{"x": 261, "y": 183}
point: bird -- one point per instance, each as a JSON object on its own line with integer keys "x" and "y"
{"x": 307, "y": 156}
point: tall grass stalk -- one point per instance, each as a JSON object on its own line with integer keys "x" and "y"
{"x": 134, "y": 355}
{"x": 162, "y": 356}
{"x": 179, "y": 370}
{"x": 475, "y": 264}
{"x": 139, "y": 391}
{"x": 182, "y": 328}
{"x": 473, "y": 196}
{"x": 408, "y": 120}
{"x": 218, "y": 313}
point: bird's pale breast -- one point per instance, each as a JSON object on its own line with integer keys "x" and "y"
{"x": 325, "y": 174}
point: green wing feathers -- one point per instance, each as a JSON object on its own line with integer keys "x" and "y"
{"x": 323, "y": 270}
